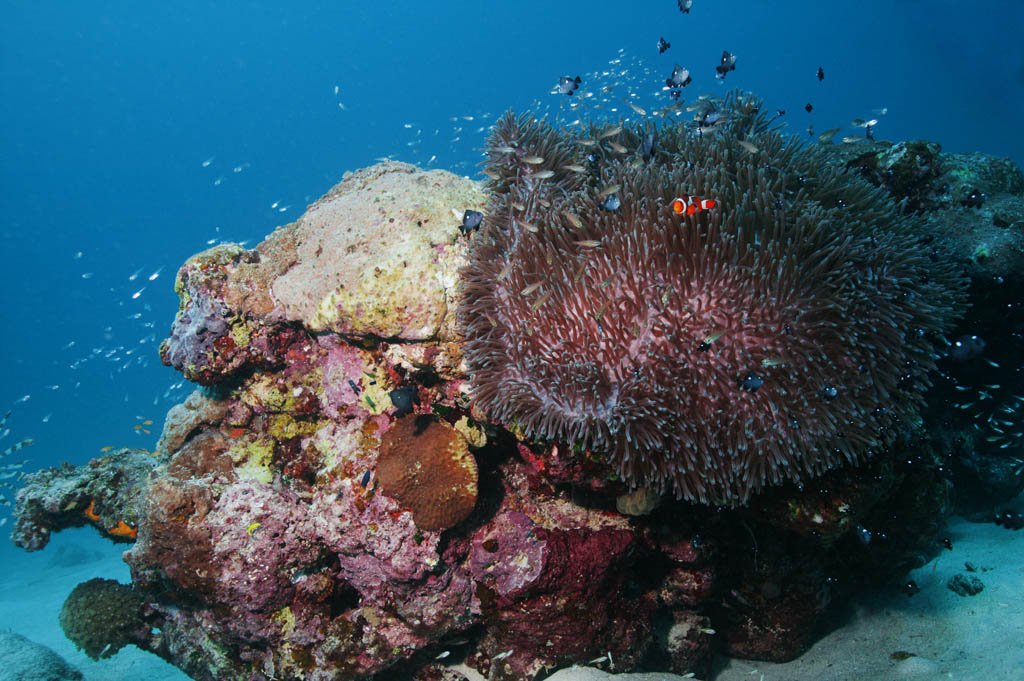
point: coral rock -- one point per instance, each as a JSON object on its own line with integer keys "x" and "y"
{"x": 427, "y": 467}
{"x": 386, "y": 268}
{"x": 101, "y": 616}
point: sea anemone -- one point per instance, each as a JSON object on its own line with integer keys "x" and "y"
{"x": 780, "y": 333}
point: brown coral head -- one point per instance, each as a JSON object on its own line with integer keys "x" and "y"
{"x": 788, "y": 330}
{"x": 426, "y": 466}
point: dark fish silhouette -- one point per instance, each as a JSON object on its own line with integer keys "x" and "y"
{"x": 727, "y": 64}
{"x": 680, "y": 77}
{"x": 567, "y": 85}
{"x": 471, "y": 221}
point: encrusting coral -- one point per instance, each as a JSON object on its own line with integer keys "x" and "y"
{"x": 426, "y": 465}
{"x": 774, "y": 335}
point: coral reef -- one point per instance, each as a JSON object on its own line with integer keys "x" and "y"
{"x": 334, "y": 501}
{"x": 108, "y": 493}
{"x": 972, "y": 206}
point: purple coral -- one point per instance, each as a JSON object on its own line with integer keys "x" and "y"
{"x": 196, "y": 329}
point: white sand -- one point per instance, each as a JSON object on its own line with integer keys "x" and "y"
{"x": 973, "y": 638}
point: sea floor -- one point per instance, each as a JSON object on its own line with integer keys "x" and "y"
{"x": 949, "y": 636}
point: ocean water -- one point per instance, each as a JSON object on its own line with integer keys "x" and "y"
{"x": 133, "y": 135}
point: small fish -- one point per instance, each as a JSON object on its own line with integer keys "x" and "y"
{"x": 618, "y": 148}
{"x": 252, "y": 528}
{"x": 531, "y": 288}
{"x": 586, "y": 142}
{"x": 540, "y": 301}
{"x": 808, "y": 107}
{"x": 107, "y": 448}
{"x": 567, "y": 85}
{"x": 680, "y": 78}
{"x": 748, "y": 146}
{"x": 685, "y": 5}
{"x": 575, "y": 167}
{"x": 713, "y": 336}
{"x": 505, "y": 150}
{"x": 573, "y": 220}
{"x": 502, "y": 656}
{"x": 528, "y": 226}
{"x": 639, "y": 109}
{"x": 588, "y": 243}
{"x": 610, "y": 189}
{"x": 690, "y": 205}
{"x": 821, "y": 74}
{"x": 533, "y": 160}
{"x": 611, "y": 203}
{"x": 505, "y": 271}
{"x": 861, "y": 123}
{"x": 610, "y": 132}
{"x": 365, "y": 479}
{"x": 663, "y": 45}
{"x": 544, "y": 174}
{"x": 725, "y": 65}
{"x": 828, "y": 135}
{"x": 17, "y": 447}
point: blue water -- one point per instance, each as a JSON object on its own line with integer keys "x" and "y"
{"x": 108, "y": 111}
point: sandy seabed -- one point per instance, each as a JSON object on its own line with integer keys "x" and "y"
{"x": 967, "y": 638}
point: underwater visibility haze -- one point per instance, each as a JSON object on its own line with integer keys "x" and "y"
{"x": 882, "y": 139}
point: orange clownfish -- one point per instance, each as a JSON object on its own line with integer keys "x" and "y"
{"x": 688, "y": 205}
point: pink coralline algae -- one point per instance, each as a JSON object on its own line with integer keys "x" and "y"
{"x": 263, "y": 545}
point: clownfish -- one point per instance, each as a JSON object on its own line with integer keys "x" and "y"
{"x": 689, "y": 205}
